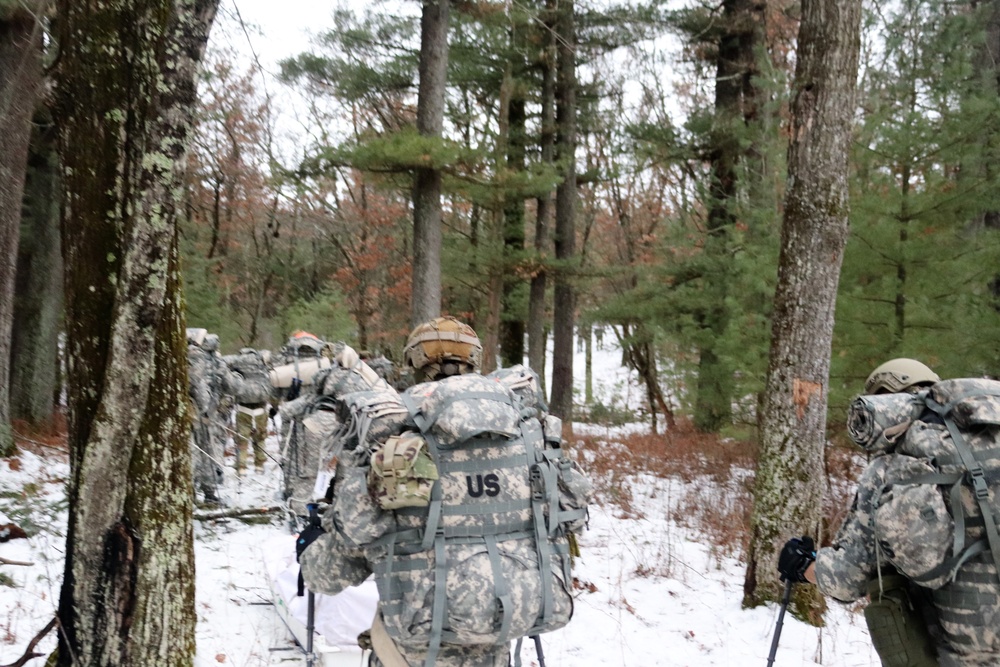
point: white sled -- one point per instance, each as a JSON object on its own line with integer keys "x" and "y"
{"x": 338, "y": 619}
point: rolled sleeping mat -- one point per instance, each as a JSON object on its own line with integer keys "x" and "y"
{"x": 304, "y": 370}
{"x": 876, "y": 422}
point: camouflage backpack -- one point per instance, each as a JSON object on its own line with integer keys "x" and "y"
{"x": 252, "y": 384}
{"x": 483, "y": 506}
{"x": 941, "y": 508}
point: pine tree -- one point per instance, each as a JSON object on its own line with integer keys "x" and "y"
{"x": 918, "y": 265}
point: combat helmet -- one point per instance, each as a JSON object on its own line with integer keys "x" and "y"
{"x": 442, "y": 347}
{"x": 211, "y": 343}
{"x": 196, "y": 335}
{"x": 898, "y": 375}
{"x": 303, "y": 344}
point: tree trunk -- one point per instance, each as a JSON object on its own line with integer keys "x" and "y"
{"x": 125, "y": 95}
{"x": 427, "y": 182}
{"x": 38, "y": 296}
{"x": 987, "y": 68}
{"x": 789, "y": 485}
{"x": 743, "y": 23}
{"x": 20, "y": 74}
{"x": 537, "y": 318}
{"x": 564, "y": 315}
{"x": 512, "y": 326}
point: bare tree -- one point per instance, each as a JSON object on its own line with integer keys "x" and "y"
{"x": 789, "y": 485}
{"x": 125, "y": 94}
{"x": 20, "y": 75}
{"x": 427, "y": 181}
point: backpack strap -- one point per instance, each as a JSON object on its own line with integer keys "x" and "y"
{"x": 538, "y": 499}
{"x": 975, "y": 476}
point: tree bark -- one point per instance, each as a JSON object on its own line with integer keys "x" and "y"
{"x": 789, "y": 485}
{"x": 38, "y": 293}
{"x": 20, "y": 75}
{"x": 124, "y": 103}
{"x": 427, "y": 182}
{"x": 564, "y": 312}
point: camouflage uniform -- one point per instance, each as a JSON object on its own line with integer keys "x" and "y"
{"x": 310, "y": 427}
{"x": 968, "y": 607}
{"x": 297, "y": 461}
{"x": 219, "y": 421}
{"x": 206, "y": 455}
{"x": 250, "y": 387}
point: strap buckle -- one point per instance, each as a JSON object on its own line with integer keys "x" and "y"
{"x": 977, "y": 478}
{"x": 537, "y": 482}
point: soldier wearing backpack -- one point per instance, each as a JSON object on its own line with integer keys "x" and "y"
{"x": 921, "y": 538}
{"x": 250, "y": 386}
{"x": 206, "y": 451}
{"x": 463, "y": 516}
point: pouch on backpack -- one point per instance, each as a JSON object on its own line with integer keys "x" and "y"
{"x": 402, "y": 472}
{"x": 897, "y": 628}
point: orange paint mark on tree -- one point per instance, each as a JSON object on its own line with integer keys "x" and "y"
{"x": 802, "y": 393}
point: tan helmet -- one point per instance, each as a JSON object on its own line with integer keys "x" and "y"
{"x": 443, "y": 346}
{"x": 899, "y": 375}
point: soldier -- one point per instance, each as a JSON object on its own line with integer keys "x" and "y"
{"x": 383, "y": 367}
{"x": 952, "y": 620}
{"x": 206, "y": 453}
{"x": 218, "y": 373}
{"x": 250, "y": 387}
{"x": 383, "y": 501}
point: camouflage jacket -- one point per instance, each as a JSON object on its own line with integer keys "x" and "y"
{"x": 200, "y": 385}
{"x": 844, "y": 569}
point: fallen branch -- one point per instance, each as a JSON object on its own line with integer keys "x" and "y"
{"x": 7, "y": 561}
{"x": 64, "y": 448}
{"x": 29, "y": 651}
{"x": 234, "y": 512}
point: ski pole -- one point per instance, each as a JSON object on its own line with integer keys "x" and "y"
{"x": 310, "y": 629}
{"x": 781, "y": 621}
{"x": 538, "y": 650}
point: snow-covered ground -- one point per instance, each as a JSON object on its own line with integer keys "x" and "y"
{"x": 652, "y": 592}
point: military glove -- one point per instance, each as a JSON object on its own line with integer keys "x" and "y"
{"x": 308, "y": 535}
{"x": 795, "y": 557}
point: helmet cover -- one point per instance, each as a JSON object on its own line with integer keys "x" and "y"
{"x": 898, "y": 375}
{"x": 443, "y": 340}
